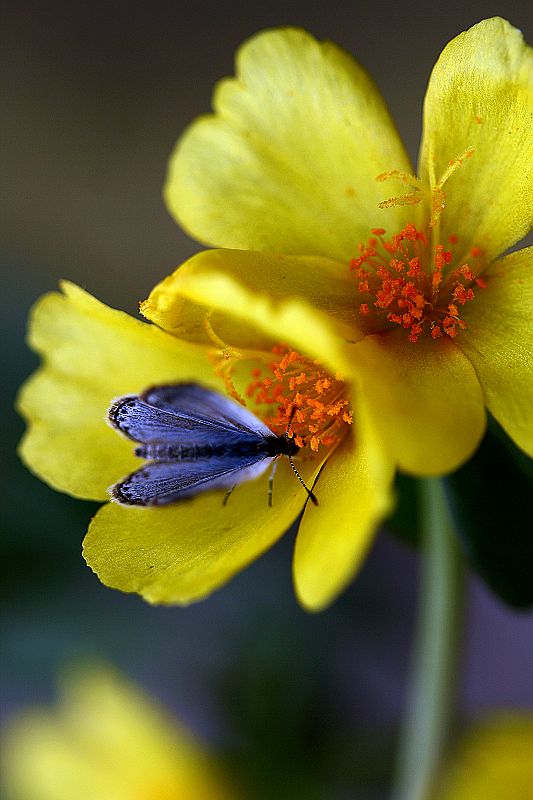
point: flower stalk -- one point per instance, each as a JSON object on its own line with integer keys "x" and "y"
{"x": 432, "y": 689}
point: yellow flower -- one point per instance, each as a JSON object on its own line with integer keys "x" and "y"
{"x": 394, "y": 313}
{"x": 399, "y": 283}
{"x": 105, "y": 741}
{"x": 181, "y": 552}
{"x": 494, "y": 761}
{"x": 289, "y": 163}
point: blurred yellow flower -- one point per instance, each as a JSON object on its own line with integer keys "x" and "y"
{"x": 390, "y": 322}
{"x": 105, "y": 741}
{"x": 494, "y": 762}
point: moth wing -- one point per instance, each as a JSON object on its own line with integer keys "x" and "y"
{"x": 162, "y": 482}
{"x": 197, "y": 402}
{"x": 143, "y": 422}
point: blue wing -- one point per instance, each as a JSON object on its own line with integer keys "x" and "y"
{"x": 185, "y": 414}
{"x": 197, "y": 402}
{"x": 161, "y": 482}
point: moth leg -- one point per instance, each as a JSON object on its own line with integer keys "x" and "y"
{"x": 271, "y": 482}
{"x": 226, "y": 496}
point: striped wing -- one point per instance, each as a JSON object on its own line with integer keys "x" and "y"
{"x": 161, "y": 482}
{"x": 203, "y": 404}
{"x": 143, "y": 423}
{"x": 185, "y": 414}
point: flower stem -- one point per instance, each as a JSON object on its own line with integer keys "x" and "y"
{"x": 432, "y": 688}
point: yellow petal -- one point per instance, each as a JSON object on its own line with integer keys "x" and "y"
{"x": 499, "y": 344}
{"x": 480, "y": 96}
{"x": 424, "y": 398}
{"x": 105, "y": 741}
{"x": 494, "y": 761}
{"x": 259, "y": 299}
{"x": 354, "y": 496}
{"x": 183, "y": 552}
{"x": 91, "y": 354}
{"x": 289, "y": 159}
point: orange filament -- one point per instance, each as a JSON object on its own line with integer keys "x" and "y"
{"x": 435, "y": 194}
{"x": 305, "y": 397}
{"x": 402, "y": 281}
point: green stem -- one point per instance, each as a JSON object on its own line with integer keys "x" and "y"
{"x": 431, "y": 692}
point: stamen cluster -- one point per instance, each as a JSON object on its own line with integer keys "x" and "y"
{"x": 410, "y": 286}
{"x": 307, "y": 398}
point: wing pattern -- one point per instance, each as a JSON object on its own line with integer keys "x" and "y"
{"x": 200, "y": 440}
{"x": 162, "y": 482}
{"x": 197, "y": 402}
{"x": 194, "y": 416}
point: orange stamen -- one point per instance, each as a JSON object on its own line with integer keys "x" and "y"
{"x": 291, "y": 381}
{"x": 413, "y": 286}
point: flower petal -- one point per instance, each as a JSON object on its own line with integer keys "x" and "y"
{"x": 92, "y": 353}
{"x": 425, "y": 398}
{"x": 499, "y": 344}
{"x": 289, "y": 159}
{"x": 480, "y": 97}
{"x": 182, "y": 552}
{"x": 354, "y": 492}
{"x": 105, "y": 739}
{"x": 248, "y": 292}
{"x": 492, "y": 760}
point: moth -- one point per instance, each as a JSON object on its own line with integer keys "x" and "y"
{"x": 194, "y": 440}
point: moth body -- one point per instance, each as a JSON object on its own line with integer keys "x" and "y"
{"x": 194, "y": 440}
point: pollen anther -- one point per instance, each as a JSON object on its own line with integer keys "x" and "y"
{"x": 412, "y": 284}
{"x": 320, "y": 400}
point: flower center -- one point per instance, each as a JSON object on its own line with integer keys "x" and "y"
{"x": 293, "y": 393}
{"x": 405, "y": 282}
{"x": 303, "y": 396}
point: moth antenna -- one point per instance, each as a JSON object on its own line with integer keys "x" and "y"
{"x": 310, "y": 494}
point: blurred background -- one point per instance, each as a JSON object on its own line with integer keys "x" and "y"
{"x": 96, "y": 95}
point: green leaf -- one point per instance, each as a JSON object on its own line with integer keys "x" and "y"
{"x": 491, "y": 499}
{"x": 405, "y": 522}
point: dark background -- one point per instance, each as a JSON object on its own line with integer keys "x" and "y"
{"x": 96, "y": 96}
